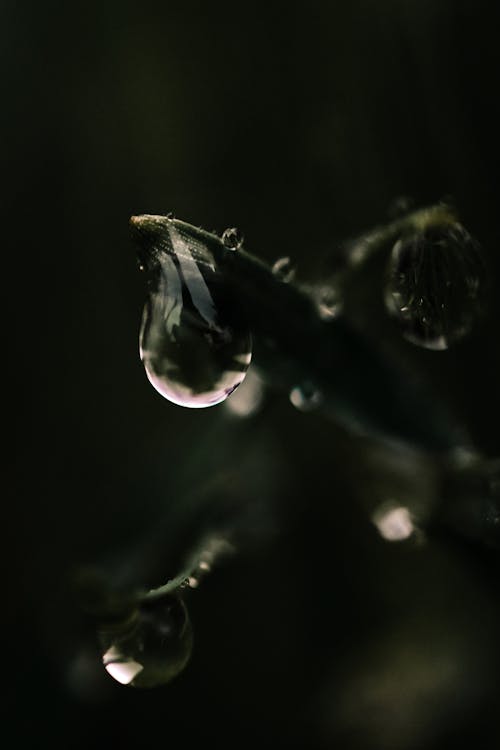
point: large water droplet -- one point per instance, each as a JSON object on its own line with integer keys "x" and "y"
{"x": 194, "y": 344}
{"x": 436, "y": 285}
{"x": 232, "y": 238}
{"x": 151, "y": 647}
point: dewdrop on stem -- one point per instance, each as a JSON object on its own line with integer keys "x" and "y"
{"x": 435, "y": 286}
{"x": 193, "y": 342}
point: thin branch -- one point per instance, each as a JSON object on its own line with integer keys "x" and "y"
{"x": 363, "y": 388}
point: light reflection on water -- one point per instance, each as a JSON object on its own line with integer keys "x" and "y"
{"x": 121, "y": 668}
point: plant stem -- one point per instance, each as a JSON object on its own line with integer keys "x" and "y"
{"x": 363, "y": 388}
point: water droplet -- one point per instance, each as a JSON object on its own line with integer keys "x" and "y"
{"x": 329, "y": 302}
{"x": 284, "y": 269}
{"x": 149, "y": 648}
{"x": 194, "y": 344}
{"x": 394, "y": 522}
{"x": 305, "y": 397}
{"x": 232, "y": 238}
{"x": 436, "y": 285}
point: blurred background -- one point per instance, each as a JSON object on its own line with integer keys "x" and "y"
{"x": 301, "y": 124}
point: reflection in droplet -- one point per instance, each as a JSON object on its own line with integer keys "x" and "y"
{"x": 283, "y": 269}
{"x": 122, "y": 668}
{"x": 394, "y": 523}
{"x": 247, "y": 400}
{"x": 436, "y": 285}
{"x": 151, "y": 647}
{"x": 305, "y": 397}
{"x": 232, "y": 238}
{"x": 194, "y": 345}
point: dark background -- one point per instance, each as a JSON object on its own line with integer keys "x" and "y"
{"x": 300, "y": 124}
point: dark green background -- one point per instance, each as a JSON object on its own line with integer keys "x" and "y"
{"x": 300, "y": 124}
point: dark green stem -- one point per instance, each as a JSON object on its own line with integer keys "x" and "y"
{"x": 363, "y": 388}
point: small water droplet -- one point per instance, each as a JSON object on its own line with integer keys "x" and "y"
{"x": 306, "y": 397}
{"x": 435, "y": 285}
{"x": 232, "y": 238}
{"x": 283, "y": 269}
{"x": 149, "y": 648}
{"x": 394, "y": 522}
{"x": 193, "y": 342}
{"x": 329, "y": 302}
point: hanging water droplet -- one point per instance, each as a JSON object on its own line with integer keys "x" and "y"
{"x": 232, "y": 238}
{"x": 436, "y": 285}
{"x": 194, "y": 344}
{"x": 149, "y": 648}
{"x": 306, "y": 397}
{"x": 283, "y": 269}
